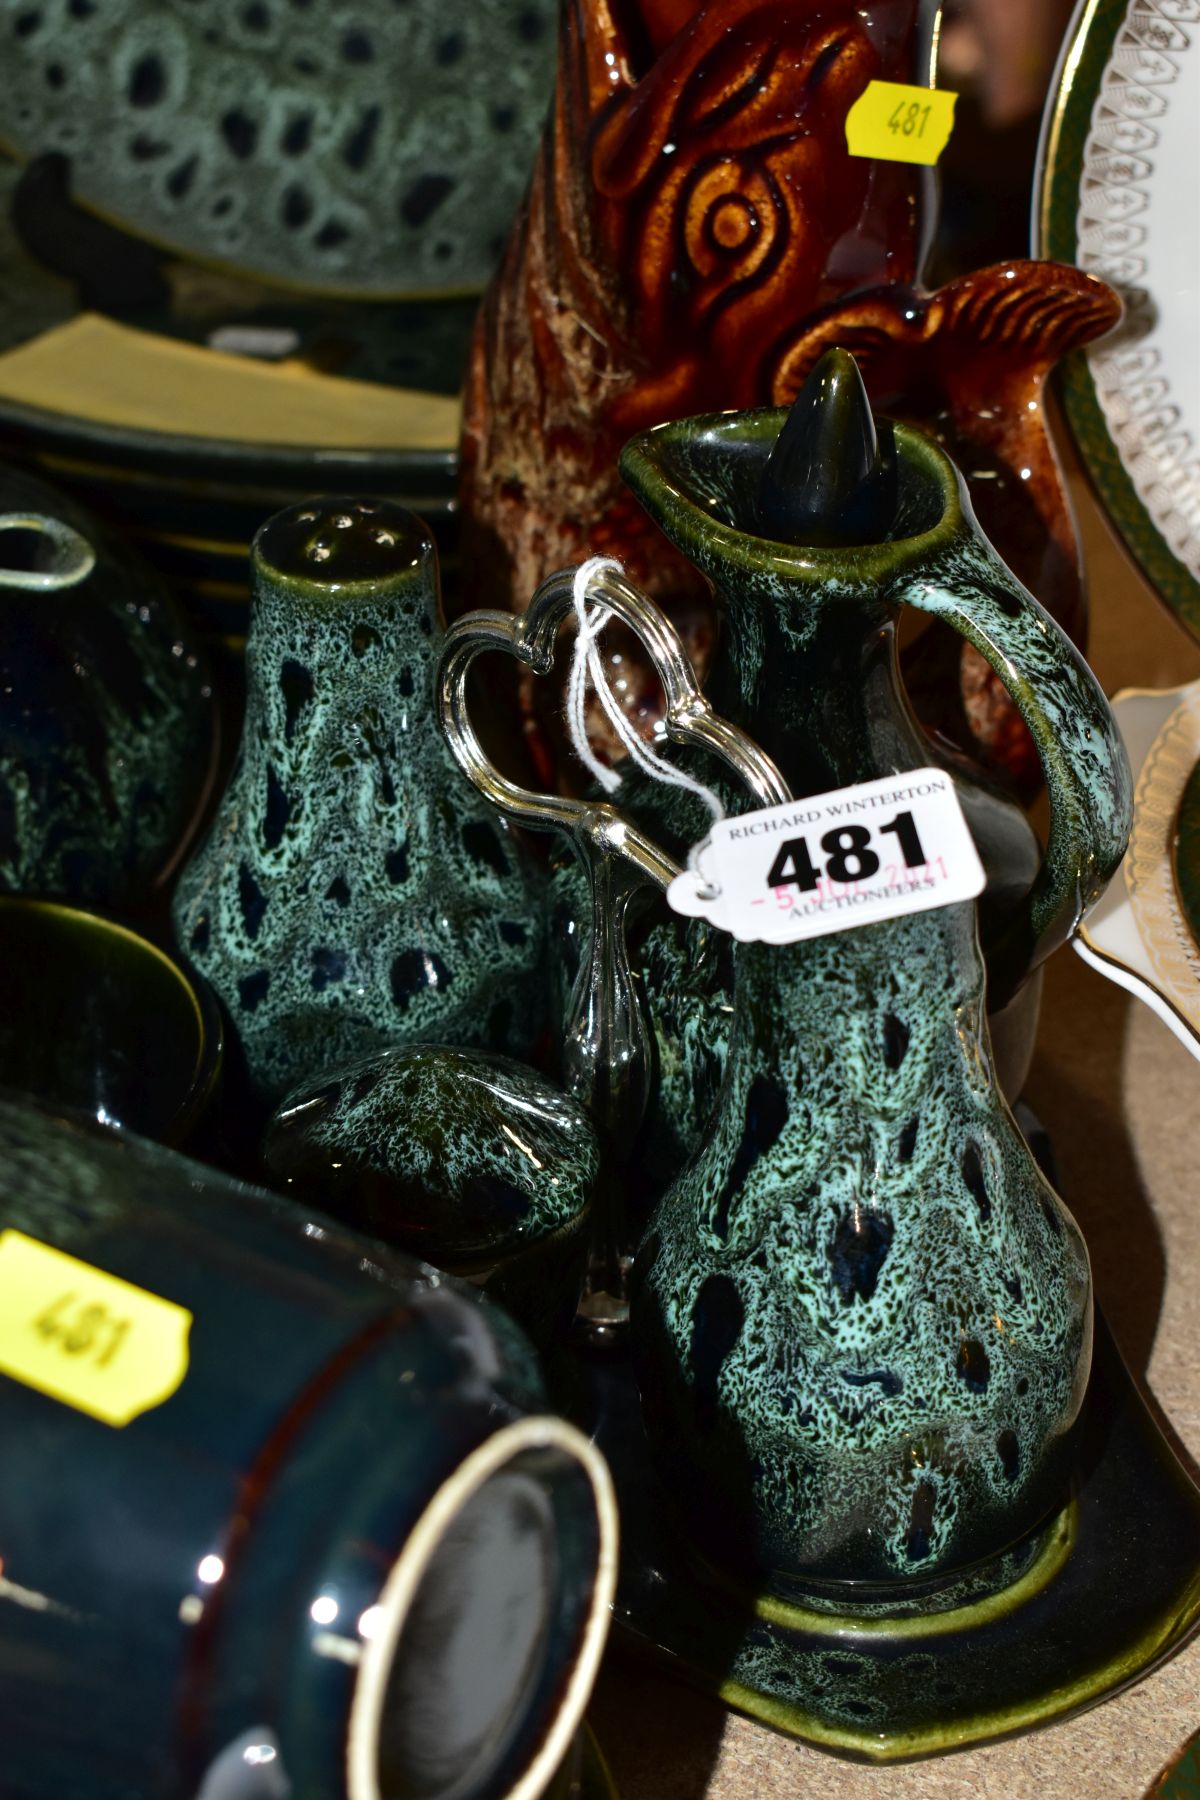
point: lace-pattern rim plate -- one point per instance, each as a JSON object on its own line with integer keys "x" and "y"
{"x": 1118, "y": 160}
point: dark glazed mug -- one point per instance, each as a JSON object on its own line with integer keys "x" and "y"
{"x": 337, "y": 1548}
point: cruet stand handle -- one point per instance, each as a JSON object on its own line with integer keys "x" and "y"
{"x": 607, "y": 1060}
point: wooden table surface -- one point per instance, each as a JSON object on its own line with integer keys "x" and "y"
{"x": 1121, "y": 1100}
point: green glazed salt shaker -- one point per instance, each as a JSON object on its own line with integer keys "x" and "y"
{"x": 861, "y": 1317}
{"x": 354, "y": 891}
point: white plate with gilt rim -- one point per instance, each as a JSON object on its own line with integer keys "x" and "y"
{"x": 1119, "y": 195}
{"x": 1137, "y": 934}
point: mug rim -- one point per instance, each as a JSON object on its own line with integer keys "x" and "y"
{"x": 538, "y": 1432}
{"x": 77, "y": 558}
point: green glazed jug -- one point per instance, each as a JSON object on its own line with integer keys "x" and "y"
{"x": 354, "y": 892}
{"x": 861, "y": 1317}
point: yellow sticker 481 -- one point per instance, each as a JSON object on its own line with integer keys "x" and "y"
{"x": 85, "y": 1337}
{"x": 897, "y": 123}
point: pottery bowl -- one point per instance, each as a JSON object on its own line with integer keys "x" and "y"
{"x": 98, "y": 1022}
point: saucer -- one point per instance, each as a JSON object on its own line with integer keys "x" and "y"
{"x": 1106, "y": 1590}
{"x": 1144, "y": 933}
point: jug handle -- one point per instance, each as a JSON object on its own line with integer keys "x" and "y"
{"x": 1083, "y": 759}
{"x": 65, "y": 558}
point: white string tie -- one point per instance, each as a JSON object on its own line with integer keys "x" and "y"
{"x": 586, "y": 666}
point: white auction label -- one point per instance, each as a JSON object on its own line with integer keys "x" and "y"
{"x": 832, "y": 862}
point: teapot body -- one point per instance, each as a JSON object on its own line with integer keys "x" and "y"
{"x": 108, "y": 723}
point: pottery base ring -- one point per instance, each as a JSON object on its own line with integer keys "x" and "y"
{"x": 481, "y": 1477}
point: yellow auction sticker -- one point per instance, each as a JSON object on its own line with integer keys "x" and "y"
{"x": 897, "y": 123}
{"x": 85, "y": 1337}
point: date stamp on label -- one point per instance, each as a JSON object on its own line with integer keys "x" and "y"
{"x": 85, "y": 1337}
{"x": 834, "y": 861}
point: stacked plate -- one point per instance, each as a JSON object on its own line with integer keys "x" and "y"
{"x": 241, "y": 250}
{"x": 218, "y": 406}
{"x": 1119, "y": 154}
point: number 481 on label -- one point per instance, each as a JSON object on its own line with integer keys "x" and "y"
{"x": 848, "y": 855}
{"x": 835, "y": 861}
{"x": 85, "y": 1337}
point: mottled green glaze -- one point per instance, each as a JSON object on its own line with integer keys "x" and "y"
{"x": 861, "y": 1317}
{"x": 472, "y": 1162}
{"x": 371, "y": 150}
{"x": 107, "y": 720}
{"x": 807, "y": 658}
{"x": 355, "y": 891}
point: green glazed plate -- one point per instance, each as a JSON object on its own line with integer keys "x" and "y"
{"x": 1108, "y": 1589}
{"x": 372, "y": 150}
{"x": 1117, "y": 195}
{"x": 192, "y": 502}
